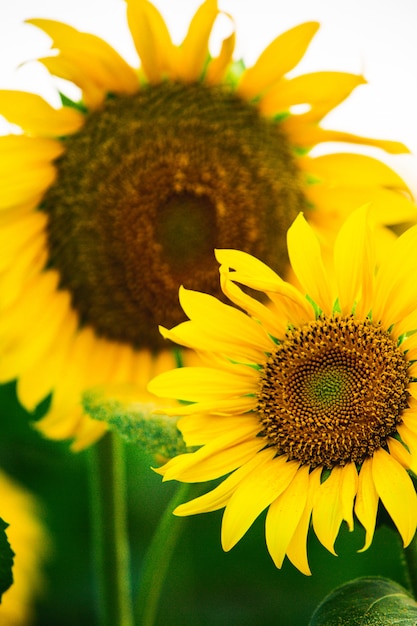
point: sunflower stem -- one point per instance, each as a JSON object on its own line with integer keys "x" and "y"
{"x": 111, "y": 560}
{"x": 157, "y": 559}
{"x": 410, "y": 560}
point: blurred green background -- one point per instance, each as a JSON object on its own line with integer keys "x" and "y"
{"x": 204, "y": 585}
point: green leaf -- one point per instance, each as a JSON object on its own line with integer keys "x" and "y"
{"x": 367, "y": 602}
{"x": 6, "y": 560}
{"x": 136, "y": 422}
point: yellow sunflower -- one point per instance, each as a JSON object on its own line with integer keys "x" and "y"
{"x": 309, "y": 402}
{"x": 30, "y": 543}
{"x": 110, "y": 203}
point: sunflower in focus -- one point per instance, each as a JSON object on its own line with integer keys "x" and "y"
{"x": 110, "y": 203}
{"x": 30, "y": 543}
{"x": 307, "y": 403}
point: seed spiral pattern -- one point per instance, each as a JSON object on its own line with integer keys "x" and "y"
{"x": 333, "y": 391}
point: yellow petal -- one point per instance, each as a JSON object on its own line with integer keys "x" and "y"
{"x": 352, "y": 169}
{"x": 73, "y": 377}
{"x": 327, "y": 509}
{"x": 101, "y": 364}
{"x": 93, "y": 94}
{"x": 412, "y": 389}
{"x": 187, "y": 335}
{"x": 32, "y": 301}
{"x": 65, "y": 413}
{"x": 395, "y": 287}
{"x": 13, "y": 205}
{"x": 348, "y": 492}
{"x": 253, "y": 273}
{"x": 386, "y": 206}
{"x": 62, "y": 425}
{"x": 122, "y": 368}
{"x": 281, "y": 56}
{"x": 284, "y": 515}
{"x": 151, "y": 38}
{"x": 297, "y": 547}
{"x": 39, "y": 334}
{"x": 398, "y": 451}
{"x": 253, "y": 495}
{"x": 36, "y": 117}
{"x": 218, "y": 498}
{"x": 230, "y": 406}
{"x": 201, "y": 429}
{"x": 322, "y": 90}
{"x": 215, "y": 459}
{"x": 18, "y": 234}
{"x": 20, "y": 186}
{"x": 217, "y": 67}
{"x": 194, "y": 51}
{"x": 221, "y": 321}
{"x": 408, "y": 434}
{"x": 273, "y": 323}
{"x": 406, "y": 325}
{"x": 21, "y": 151}
{"x": 87, "y": 433}
{"x": 306, "y": 261}
{"x": 199, "y": 383}
{"x": 396, "y": 491}
{"x": 354, "y": 263}
{"x": 366, "y": 504}
{"x": 306, "y": 134}
{"x": 28, "y": 264}
{"x": 247, "y": 265}
{"x": 390, "y": 207}
{"x": 35, "y": 383}
{"x": 94, "y": 57}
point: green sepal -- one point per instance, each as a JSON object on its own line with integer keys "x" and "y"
{"x": 136, "y": 422}
{"x": 367, "y": 602}
{"x": 67, "y": 102}
{"x": 6, "y": 560}
{"x": 234, "y": 72}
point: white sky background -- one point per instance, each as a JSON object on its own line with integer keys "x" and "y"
{"x": 374, "y": 37}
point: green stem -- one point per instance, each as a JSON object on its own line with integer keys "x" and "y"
{"x": 109, "y": 534}
{"x": 410, "y": 558}
{"x": 157, "y": 559}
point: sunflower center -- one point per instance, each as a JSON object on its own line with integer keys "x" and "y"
{"x": 333, "y": 391}
{"x": 145, "y": 191}
{"x": 183, "y": 219}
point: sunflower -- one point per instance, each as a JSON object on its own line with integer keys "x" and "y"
{"x": 30, "y": 543}
{"x": 110, "y": 203}
{"x": 308, "y": 402}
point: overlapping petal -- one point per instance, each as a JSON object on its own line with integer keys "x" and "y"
{"x": 284, "y": 515}
{"x": 253, "y": 494}
{"x": 321, "y": 91}
{"x": 193, "y": 51}
{"x": 88, "y": 61}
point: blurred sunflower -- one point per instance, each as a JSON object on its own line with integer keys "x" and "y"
{"x": 309, "y": 404}
{"x": 30, "y": 543}
{"x": 109, "y": 204}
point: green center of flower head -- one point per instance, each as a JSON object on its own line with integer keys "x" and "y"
{"x": 333, "y": 391}
{"x": 149, "y": 187}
